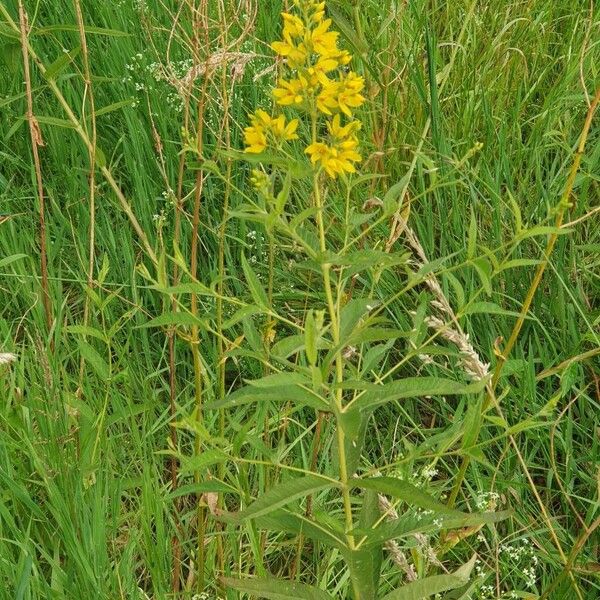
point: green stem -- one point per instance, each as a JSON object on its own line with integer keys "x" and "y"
{"x": 339, "y": 364}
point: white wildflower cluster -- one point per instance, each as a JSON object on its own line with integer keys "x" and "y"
{"x": 523, "y": 553}
{"x": 486, "y": 501}
{"x": 429, "y": 472}
{"x": 257, "y": 246}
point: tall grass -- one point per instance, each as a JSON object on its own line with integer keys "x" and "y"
{"x": 121, "y": 455}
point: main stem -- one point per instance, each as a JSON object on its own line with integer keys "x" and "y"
{"x": 339, "y": 364}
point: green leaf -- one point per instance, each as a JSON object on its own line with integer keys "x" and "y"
{"x": 484, "y": 270}
{"x": 352, "y": 314}
{"x": 241, "y": 314}
{"x": 412, "y": 495}
{"x": 11, "y": 259}
{"x": 365, "y": 563}
{"x": 114, "y": 106}
{"x": 279, "y": 380}
{"x": 54, "y": 121}
{"x": 394, "y": 196}
{"x": 295, "y": 394}
{"x": 87, "y": 331}
{"x": 61, "y": 62}
{"x": 91, "y": 356}
{"x": 436, "y": 584}
{"x": 298, "y": 524}
{"x": 88, "y": 30}
{"x": 283, "y": 494}
{"x": 413, "y": 387}
{"x": 206, "y": 459}
{"x": 472, "y": 239}
{"x": 172, "y": 318}
{"x": 410, "y": 524}
{"x": 276, "y": 589}
{"x": 488, "y": 308}
{"x": 256, "y": 289}
{"x": 310, "y": 338}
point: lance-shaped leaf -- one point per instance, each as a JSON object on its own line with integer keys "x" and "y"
{"x": 283, "y": 494}
{"x": 276, "y": 589}
{"x": 365, "y": 563}
{"x": 412, "y": 495}
{"x": 256, "y": 289}
{"x": 280, "y": 387}
{"x": 418, "y": 523}
{"x": 413, "y": 387}
{"x": 298, "y": 524}
{"x": 436, "y": 584}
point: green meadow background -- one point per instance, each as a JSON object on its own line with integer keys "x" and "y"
{"x": 485, "y": 100}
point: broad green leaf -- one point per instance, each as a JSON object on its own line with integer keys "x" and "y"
{"x": 276, "y": 589}
{"x": 484, "y": 270}
{"x": 352, "y": 314}
{"x": 91, "y": 356}
{"x": 279, "y": 380}
{"x": 256, "y": 289}
{"x": 519, "y": 262}
{"x": 412, "y": 495}
{"x": 61, "y": 62}
{"x": 172, "y": 318}
{"x": 541, "y": 230}
{"x": 283, "y": 494}
{"x": 488, "y": 308}
{"x": 365, "y": 563}
{"x": 206, "y": 459}
{"x": 241, "y": 314}
{"x": 298, "y": 524}
{"x": 409, "y": 524}
{"x": 413, "y": 387}
{"x": 295, "y": 394}
{"x": 87, "y": 330}
{"x": 393, "y": 197}
{"x": 436, "y": 584}
{"x": 310, "y": 338}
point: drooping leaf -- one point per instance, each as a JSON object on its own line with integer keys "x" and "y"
{"x": 436, "y": 584}
{"x": 298, "y": 524}
{"x": 276, "y": 589}
{"x": 296, "y": 394}
{"x": 413, "y": 387}
{"x": 283, "y": 494}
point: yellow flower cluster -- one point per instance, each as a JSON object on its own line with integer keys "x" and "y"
{"x": 263, "y": 125}
{"x": 317, "y": 82}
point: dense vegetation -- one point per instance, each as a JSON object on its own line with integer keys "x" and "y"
{"x": 229, "y": 374}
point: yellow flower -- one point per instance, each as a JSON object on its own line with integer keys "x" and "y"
{"x": 338, "y": 157}
{"x": 322, "y": 41}
{"x": 338, "y": 132}
{"x": 284, "y": 132}
{"x": 349, "y": 95}
{"x": 318, "y": 71}
{"x": 327, "y": 98}
{"x": 255, "y": 139}
{"x": 290, "y": 92}
{"x": 293, "y": 29}
{"x": 262, "y": 124}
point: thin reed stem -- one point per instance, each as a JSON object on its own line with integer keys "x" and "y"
{"x": 36, "y": 141}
